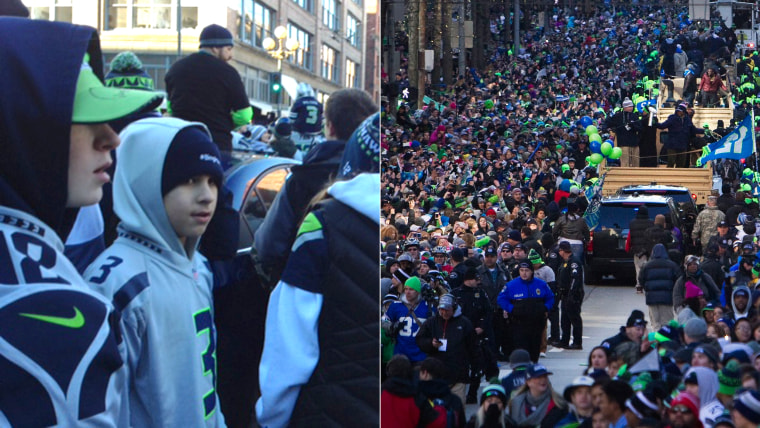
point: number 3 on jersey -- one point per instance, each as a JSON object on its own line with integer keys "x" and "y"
{"x": 313, "y": 115}
{"x": 203, "y": 325}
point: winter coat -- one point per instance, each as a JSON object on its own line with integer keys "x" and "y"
{"x": 707, "y": 224}
{"x": 704, "y": 282}
{"x": 462, "y": 348}
{"x": 637, "y": 231}
{"x": 680, "y": 130}
{"x": 491, "y": 286}
{"x": 658, "y": 277}
{"x": 571, "y": 227}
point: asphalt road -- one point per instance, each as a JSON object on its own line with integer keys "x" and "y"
{"x": 605, "y": 308}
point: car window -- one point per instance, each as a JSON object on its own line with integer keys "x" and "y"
{"x": 261, "y": 195}
{"x": 619, "y": 215}
{"x": 682, "y": 199}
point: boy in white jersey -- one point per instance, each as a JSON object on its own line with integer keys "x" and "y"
{"x": 165, "y": 193}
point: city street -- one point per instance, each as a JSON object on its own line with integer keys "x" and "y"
{"x": 606, "y": 307}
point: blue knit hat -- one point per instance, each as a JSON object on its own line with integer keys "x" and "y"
{"x": 191, "y": 153}
{"x": 216, "y": 36}
{"x": 362, "y": 153}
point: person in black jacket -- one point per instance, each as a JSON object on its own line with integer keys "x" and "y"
{"x": 436, "y": 390}
{"x": 638, "y": 241}
{"x": 712, "y": 266}
{"x": 680, "y": 130}
{"x": 626, "y": 125}
{"x": 658, "y": 276}
{"x": 474, "y": 303}
{"x": 570, "y": 286}
{"x": 451, "y": 338}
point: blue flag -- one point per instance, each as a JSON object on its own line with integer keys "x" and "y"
{"x": 592, "y": 212}
{"x": 739, "y": 144}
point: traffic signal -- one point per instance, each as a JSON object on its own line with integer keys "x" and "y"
{"x": 275, "y": 82}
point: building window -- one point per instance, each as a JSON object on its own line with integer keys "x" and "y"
{"x": 303, "y": 57}
{"x": 359, "y": 2}
{"x": 50, "y": 10}
{"x": 150, "y": 14}
{"x": 306, "y": 4}
{"x": 257, "y": 22}
{"x": 352, "y": 75}
{"x": 330, "y": 14}
{"x": 352, "y": 30}
{"x": 329, "y": 63}
{"x": 264, "y": 21}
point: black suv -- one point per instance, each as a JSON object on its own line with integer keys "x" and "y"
{"x": 605, "y": 253}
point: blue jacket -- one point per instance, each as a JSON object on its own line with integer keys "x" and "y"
{"x": 658, "y": 276}
{"x": 680, "y": 130}
{"x": 518, "y": 289}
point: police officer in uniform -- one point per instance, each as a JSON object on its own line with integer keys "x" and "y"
{"x": 570, "y": 286}
{"x": 475, "y": 305}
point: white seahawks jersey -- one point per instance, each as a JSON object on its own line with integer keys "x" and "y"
{"x": 61, "y": 352}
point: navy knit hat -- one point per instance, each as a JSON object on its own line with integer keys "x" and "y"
{"x": 216, "y": 36}
{"x": 362, "y": 153}
{"x": 191, "y": 153}
{"x": 748, "y": 404}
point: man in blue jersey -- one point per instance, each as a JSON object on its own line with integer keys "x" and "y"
{"x": 62, "y": 356}
{"x": 306, "y": 117}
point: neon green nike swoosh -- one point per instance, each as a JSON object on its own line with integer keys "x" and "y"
{"x": 77, "y": 321}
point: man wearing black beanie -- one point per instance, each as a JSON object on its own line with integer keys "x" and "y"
{"x": 203, "y": 87}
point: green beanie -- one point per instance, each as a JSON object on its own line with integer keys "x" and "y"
{"x": 534, "y": 257}
{"x": 414, "y": 284}
{"x": 729, "y": 378}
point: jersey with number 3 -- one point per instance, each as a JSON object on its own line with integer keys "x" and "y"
{"x": 408, "y": 328}
{"x": 306, "y": 115}
{"x": 165, "y": 300}
{"x": 61, "y": 352}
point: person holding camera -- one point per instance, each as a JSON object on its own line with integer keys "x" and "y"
{"x": 403, "y": 320}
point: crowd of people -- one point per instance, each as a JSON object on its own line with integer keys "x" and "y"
{"x": 484, "y": 188}
{"x": 109, "y": 293}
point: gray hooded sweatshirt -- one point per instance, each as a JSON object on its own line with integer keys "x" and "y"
{"x": 709, "y": 405}
{"x": 162, "y": 288}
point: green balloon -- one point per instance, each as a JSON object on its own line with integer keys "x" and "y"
{"x": 606, "y": 148}
{"x": 596, "y": 158}
{"x": 591, "y": 129}
{"x": 588, "y": 159}
{"x": 616, "y": 153}
{"x": 594, "y": 137}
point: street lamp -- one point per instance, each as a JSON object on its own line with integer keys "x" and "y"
{"x": 280, "y": 49}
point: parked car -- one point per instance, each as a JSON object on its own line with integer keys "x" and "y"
{"x": 605, "y": 252}
{"x": 255, "y": 181}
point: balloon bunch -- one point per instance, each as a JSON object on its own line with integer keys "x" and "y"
{"x": 599, "y": 149}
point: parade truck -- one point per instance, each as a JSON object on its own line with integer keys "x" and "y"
{"x": 698, "y": 181}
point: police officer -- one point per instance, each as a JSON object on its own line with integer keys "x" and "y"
{"x": 526, "y": 301}
{"x": 554, "y": 261}
{"x": 570, "y": 286}
{"x": 475, "y": 305}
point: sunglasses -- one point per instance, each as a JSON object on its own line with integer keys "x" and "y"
{"x": 680, "y": 409}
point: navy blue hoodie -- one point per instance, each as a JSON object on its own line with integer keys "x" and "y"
{"x": 36, "y": 105}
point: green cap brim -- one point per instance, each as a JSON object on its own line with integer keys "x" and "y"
{"x": 95, "y": 103}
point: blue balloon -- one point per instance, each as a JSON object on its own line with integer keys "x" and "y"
{"x": 612, "y": 143}
{"x": 595, "y": 147}
{"x": 585, "y": 121}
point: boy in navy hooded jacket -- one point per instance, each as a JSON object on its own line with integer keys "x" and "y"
{"x": 61, "y": 354}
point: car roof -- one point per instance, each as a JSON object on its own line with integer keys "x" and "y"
{"x": 643, "y": 199}
{"x": 654, "y": 186}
